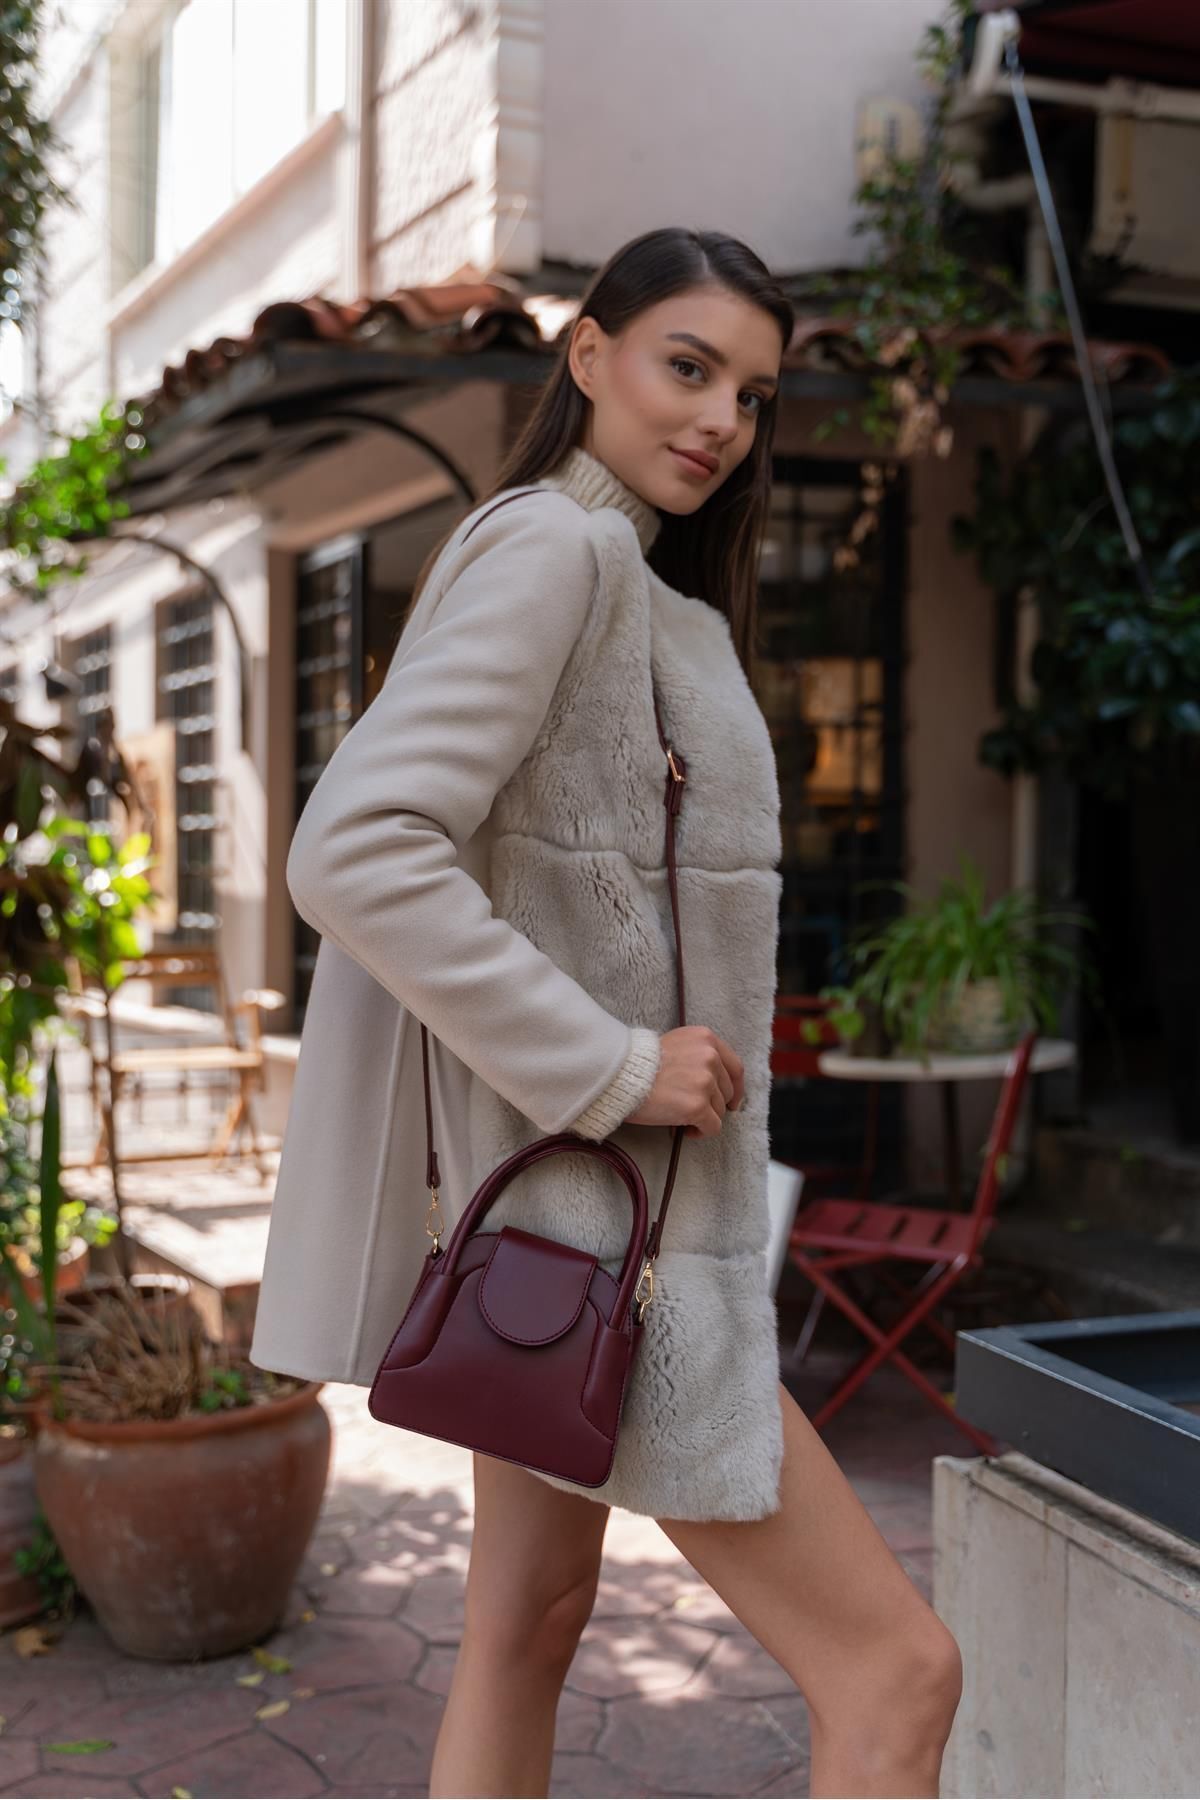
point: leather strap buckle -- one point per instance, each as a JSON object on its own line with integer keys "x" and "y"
{"x": 435, "y": 1232}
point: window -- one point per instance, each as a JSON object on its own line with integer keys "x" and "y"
{"x": 186, "y": 694}
{"x": 12, "y": 367}
{"x": 352, "y": 595}
{"x": 829, "y": 678}
{"x": 91, "y": 661}
{"x": 329, "y": 689}
{"x": 222, "y": 92}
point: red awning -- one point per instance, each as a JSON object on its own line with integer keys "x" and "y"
{"x": 1091, "y": 40}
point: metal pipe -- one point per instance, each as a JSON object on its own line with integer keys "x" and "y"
{"x": 1132, "y": 99}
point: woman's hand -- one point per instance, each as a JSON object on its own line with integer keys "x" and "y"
{"x": 700, "y": 1078}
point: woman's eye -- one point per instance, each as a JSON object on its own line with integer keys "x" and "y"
{"x": 688, "y": 363}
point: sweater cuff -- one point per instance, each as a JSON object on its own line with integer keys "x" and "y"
{"x": 627, "y": 1089}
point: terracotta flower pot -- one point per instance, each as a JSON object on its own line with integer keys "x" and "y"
{"x": 186, "y": 1534}
{"x": 20, "y": 1595}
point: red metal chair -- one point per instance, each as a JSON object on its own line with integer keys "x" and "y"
{"x": 792, "y": 1055}
{"x": 854, "y": 1233}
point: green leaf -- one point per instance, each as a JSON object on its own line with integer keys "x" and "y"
{"x": 32, "y": 1325}
{"x": 81, "y": 1746}
{"x": 49, "y": 1183}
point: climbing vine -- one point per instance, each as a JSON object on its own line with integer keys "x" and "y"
{"x": 27, "y": 189}
{"x": 930, "y": 272}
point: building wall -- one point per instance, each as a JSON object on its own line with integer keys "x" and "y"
{"x": 280, "y": 242}
{"x": 695, "y": 112}
{"x": 73, "y": 297}
{"x": 433, "y": 106}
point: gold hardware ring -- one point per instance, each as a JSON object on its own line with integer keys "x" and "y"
{"x": 435, "y": 1232}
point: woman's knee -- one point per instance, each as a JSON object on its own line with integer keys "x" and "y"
{"x": 909, "y": 1694}
{"x": 902, "y": 1697}
{"x": 539, "y": 1626}
{"x": 936, "y": 1671}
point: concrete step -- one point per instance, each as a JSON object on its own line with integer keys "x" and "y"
{"x": 1098, "y": 1271}
{"x": 191, "y": 1218}
{"x": 1137, "y": 1184}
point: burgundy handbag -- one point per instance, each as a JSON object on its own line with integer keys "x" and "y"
{"x": 514, "y": 1344}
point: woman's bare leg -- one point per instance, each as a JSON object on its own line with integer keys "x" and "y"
{"x": 531, "y": 1586}
{"x": 819, "y": 1588}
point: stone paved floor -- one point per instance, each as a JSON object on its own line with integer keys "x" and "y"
{"x": 667, "y": 1694}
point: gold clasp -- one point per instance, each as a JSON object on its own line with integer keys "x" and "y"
{"x": 643, "y": 1300}
{"x": 677, "y": 773}
{"x": 435, "y": 1232}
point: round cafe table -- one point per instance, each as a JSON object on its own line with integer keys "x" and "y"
{"x": 947, "y": 1071}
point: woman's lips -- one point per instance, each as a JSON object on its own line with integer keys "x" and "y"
{"x": 691, "y": 463}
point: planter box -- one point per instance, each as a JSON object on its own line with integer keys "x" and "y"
{"x": 1079, "y": 1625}
{"x": 1069, "y": 1569}
{"x": 1113, "y": 1403}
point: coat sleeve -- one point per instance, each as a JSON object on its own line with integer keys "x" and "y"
{"x": 373, "y": 863}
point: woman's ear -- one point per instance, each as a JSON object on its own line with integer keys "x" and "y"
{"x": 584, "y": 352}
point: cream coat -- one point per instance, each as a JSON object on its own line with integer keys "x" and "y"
{"x": 484, "y": 851}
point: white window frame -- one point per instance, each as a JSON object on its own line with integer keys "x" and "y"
{"x": 154, "y": 247}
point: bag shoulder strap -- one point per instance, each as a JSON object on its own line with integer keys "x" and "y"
{"x": 513, "y": 494}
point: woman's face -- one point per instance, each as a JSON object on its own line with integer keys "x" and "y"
{"x": 689, "y": 374}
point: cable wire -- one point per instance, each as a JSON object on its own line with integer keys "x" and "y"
{"x": 1100, "y": 432}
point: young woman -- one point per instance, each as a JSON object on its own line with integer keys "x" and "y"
{"x": 484, "y": 851}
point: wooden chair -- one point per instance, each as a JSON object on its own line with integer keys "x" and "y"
{"x": 831, "y": 1235}
{"x": 236, "y": 1051}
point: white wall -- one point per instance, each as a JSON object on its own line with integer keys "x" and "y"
{"x": 697, "y": 112}
{"x": 70, "y": 324}
{"x": 280, "y": 247}
{"x": 433, "y": 108}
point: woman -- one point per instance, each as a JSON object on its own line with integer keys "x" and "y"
{"x": 484, "y": 851}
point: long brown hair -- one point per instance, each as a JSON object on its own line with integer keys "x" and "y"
{"x": 711, "y": 554}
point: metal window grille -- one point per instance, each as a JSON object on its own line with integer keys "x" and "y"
{"x": 186, "y": 694}
{"x": 829, "y": 676}
{"x": 92, "y": 661}
{"x": 329, "y": 690}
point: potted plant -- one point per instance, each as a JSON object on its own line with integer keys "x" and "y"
{"x": 957, "y": 974}
{"x": 55, "y": 898}
{"x": 181, "y": 1483}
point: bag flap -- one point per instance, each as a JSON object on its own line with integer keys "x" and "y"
{"x": 533, "y": 1288}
